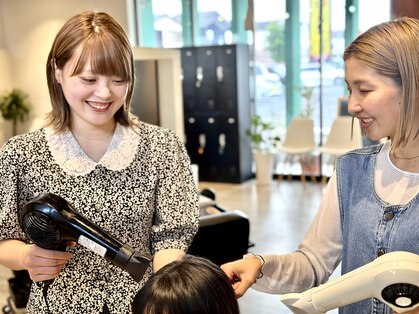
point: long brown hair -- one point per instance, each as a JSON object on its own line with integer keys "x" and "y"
{"x": 105, "y": 43}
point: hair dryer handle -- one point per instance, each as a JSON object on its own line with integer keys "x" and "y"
{"x": 133, "y": 262}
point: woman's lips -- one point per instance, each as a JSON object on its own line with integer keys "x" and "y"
{"x": 99, "y": 106}
{"x": 365, "y": 122}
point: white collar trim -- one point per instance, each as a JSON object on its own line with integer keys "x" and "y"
{"x": 68, "y": 154}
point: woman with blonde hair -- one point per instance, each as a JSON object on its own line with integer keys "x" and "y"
{"x": 371, "y": 204}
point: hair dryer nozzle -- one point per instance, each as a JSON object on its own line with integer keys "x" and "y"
{"x": 137, "y": 266}
{"x": 133, "y": 262}
{"x": 300, "y": 303}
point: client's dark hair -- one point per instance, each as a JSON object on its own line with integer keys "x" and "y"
{"x": 188, "y": 285}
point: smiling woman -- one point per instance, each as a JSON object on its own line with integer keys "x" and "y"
{"x": 83, "y": 61}
{"x": 93, "y": 100}
{"x": 128, "y": 177}
{"x": 371, "y": 202}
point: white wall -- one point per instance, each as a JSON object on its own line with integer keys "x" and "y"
{"x": 27, "y": 30}
{"x": 5, "y": 85}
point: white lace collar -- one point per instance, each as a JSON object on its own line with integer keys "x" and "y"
{"x": 69, "y": 155}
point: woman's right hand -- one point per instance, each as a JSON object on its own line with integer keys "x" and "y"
{"x": 43, "y": 264}
{"x": 242, "y": 273}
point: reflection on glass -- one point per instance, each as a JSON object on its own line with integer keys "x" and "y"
{"x": 167, "y": 16}
{"x": 214, "y": 22}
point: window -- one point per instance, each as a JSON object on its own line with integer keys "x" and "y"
{"x": 167, "y": 17}
{"x": 213, "y": 26}
{"x": 214, "y": 20}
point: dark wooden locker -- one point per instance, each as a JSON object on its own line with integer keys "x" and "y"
{"x": 227, "y": 80}
{"x": 206, "y": 89}
{"x": 217, "y": 111}
{"x": 189, "y": 79}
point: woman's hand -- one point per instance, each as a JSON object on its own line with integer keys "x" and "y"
{"x": 242, "y": 273}
{"x": 43, "y": 264}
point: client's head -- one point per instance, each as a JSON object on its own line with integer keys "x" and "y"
{"x": 189, "y": 285}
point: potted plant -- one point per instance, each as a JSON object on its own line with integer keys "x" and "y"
{"x": 14, "y": 105}
{"x": 263, "y": 141}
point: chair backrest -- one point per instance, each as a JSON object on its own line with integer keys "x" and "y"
{"x": 222, "y": 237}
{"x": 300, "y": 133}
{"x": 340, "y": 139}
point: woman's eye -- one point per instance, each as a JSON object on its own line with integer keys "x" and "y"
{"x": 88, "y": 80}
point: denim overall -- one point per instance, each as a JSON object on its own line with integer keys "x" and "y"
{"x": 370, "y": 226}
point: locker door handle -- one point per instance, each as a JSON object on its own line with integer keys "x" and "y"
{"x": 199, "y": 76}
{"x": 221, "y": 143}
{"x": 220, "y": 73}
{"x": 202, "y": 142}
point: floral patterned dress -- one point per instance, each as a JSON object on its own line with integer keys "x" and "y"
{"x": 141, "y": 192}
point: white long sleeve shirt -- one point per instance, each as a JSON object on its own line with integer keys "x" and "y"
{"x": 320, "y": 251}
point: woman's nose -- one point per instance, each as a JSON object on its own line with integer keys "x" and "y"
{"x": 353, "y": 106}
{"x": 103, "y": 91}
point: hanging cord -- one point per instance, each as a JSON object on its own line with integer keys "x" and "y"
{"x": 44, "y": 292}
{"x": 45, "y": 285}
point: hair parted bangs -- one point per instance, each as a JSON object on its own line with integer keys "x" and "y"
{"x": 105, "y": 58}
{"x": 105, "y": 44}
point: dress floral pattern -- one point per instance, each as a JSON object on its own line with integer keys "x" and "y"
{"x": 142, "y": 192}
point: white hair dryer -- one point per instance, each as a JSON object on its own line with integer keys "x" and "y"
{"x": 392, "y": 278}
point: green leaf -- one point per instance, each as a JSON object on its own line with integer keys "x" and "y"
{"x": 14, "y": 105}
{"x": 260, "y": 134}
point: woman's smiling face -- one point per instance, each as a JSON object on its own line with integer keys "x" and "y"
{"x": 373, "y": 98}
{"x": 93, "y": 99}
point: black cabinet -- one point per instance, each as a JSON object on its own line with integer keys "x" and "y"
{"x": 217, "y": 111}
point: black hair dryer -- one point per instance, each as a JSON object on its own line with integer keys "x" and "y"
{"x": 51, "y": 223}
